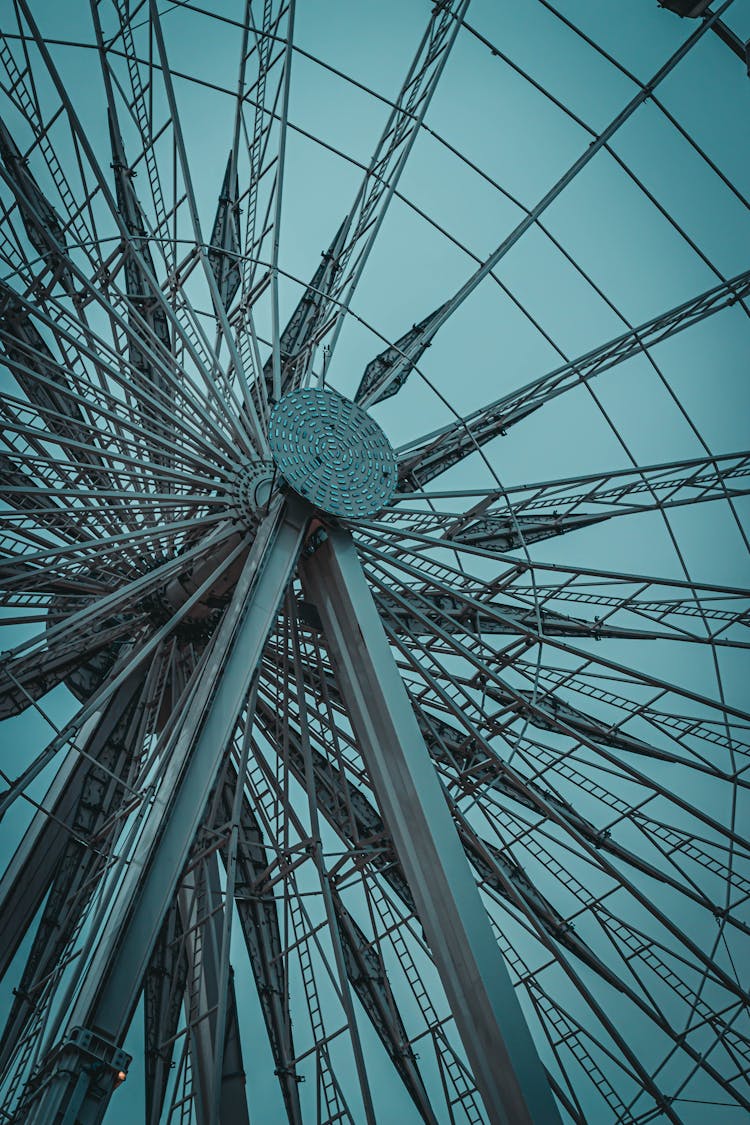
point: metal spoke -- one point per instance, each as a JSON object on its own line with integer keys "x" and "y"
{"x": 405, "y": 765}
{"x": 357, "y": 234}
{"x": 432, "y": 325}
{"x": 427, "y": 457}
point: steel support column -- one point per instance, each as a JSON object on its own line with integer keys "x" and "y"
{"x": 507, "y": 1069}
{"x": 100, "y": 1003}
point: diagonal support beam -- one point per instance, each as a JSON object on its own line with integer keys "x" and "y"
{"x": 163, "y": 995}
{"x": 44, "y": 228}
{"x": 359, "y": 231}
{"x": 226, "y": 245}
{"x": 102, "y": 995}
{"x": 498, "y": 1043}
{"x": 259, "y": 918}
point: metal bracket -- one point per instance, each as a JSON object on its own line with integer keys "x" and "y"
{"x": 76, "y": 1080}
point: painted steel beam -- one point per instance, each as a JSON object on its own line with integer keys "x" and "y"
{"x": 114, "y": 961}
{"x": 138, "y": 286}
{"x": 44, "y": 228}
{"x": 35, "y": 675}
{"x": 224, "y": 252}
{"x": 201, "y": 906}
{"x": 82, "y": 858}
{"x": 385, "y": 375}
{"x": 346, "y": 808}
{"x": 698, "y": 9}
{"x": 359, "y": 825}
{"x": 360, "y": 228}
{"x": 368, "y": 976}
{"x": 503, "y": 520}
{"x": 300, "y": 332}
{"x": 23, "y": 347}
{"x": 503, "y": 1057}
{"x": 259, "y": 920}
{"x": 163, "y": 994}
{"x": 458, "y": 616}
{"x": 422, "y": 460}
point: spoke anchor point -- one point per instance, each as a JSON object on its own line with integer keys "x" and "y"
{"x": 254, "y": 486}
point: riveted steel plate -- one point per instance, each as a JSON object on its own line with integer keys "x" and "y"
{"x": 332, "y": 452}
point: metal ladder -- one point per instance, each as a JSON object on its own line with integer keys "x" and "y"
{"x": 20, "y": 88}
{"x": 335, "y": 1105}
{"x": 463, "y": 1093}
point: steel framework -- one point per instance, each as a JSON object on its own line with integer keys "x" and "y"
{"x": 428, "y": 802}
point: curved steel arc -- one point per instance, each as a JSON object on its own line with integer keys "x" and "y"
{"x": 429, "y": 723}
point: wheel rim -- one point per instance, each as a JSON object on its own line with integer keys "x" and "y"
{"x": 592, "y": 753}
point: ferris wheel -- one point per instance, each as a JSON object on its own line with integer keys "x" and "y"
{"x": 374, "y": 591}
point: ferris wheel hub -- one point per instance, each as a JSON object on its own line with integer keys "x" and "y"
{"x": 253, "y": 486}
{"x": 332, "y": 452}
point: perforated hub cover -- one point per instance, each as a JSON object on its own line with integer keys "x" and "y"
{"x": 331, "y": 452}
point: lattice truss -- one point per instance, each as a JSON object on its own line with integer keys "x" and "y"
{"x": 574, "y": 649}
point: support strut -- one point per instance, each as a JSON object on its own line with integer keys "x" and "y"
{"x": 102, "y": 996}
{"x": 507, "y": 1069}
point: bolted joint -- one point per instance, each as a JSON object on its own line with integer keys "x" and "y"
{"x": 253, "y": 489}
{"x": 76, "y": 1080}
{"x": 317, "y": 537}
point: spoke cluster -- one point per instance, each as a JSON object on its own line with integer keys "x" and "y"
{"x": 575, "y": 677}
